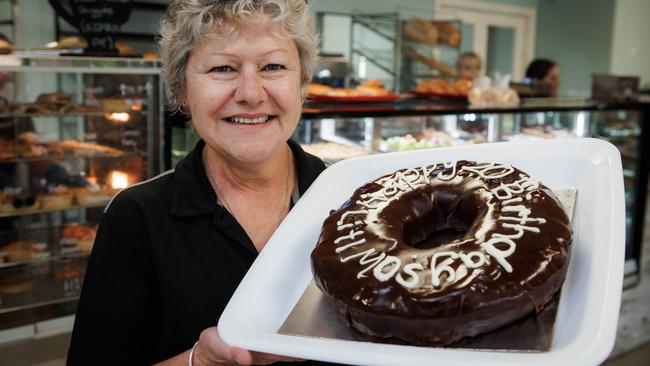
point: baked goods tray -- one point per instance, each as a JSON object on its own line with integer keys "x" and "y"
{"x": 587, "y": 313}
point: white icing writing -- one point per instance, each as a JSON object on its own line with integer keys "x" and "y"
{"x": 410, "y": 269}
{"x": 350, "y": 245}
{"x": 437, "y": 271}
{"x": 515, "y": 220}
{"x": 393, "y": 263}
{"x": 498, "y": 254}
{"x": 490, "y": 170}
{"x": 451, "y": 175}
{"x": 349, "y": 213}
{"x": 365, "y": 259}
{"x": 507, "y": 191}
{"x": 353, "y": 234}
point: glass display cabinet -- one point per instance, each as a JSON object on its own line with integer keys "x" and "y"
{"x": 335, "y": 132}
{"x": 73, "y": 132}
{"x": 338, "y": 131}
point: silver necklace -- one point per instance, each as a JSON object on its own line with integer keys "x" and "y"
{"x": 221, "y": 196}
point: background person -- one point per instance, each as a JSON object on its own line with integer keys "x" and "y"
{"x": 468, "y": 66}
{"x": 546, "y": 71}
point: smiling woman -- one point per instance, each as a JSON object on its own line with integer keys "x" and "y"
{"x": 171, "y": 251}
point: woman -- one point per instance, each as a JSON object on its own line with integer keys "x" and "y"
{"x": 546, "y": 71}
{"x": 171, "y": 251}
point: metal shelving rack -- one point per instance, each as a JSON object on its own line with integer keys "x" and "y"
{"x": 9, "y": 19}
{"x": 387, "y": 27}
{"x": 405, "y": 62}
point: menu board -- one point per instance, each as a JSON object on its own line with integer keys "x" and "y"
{"x": 98, "y": 21}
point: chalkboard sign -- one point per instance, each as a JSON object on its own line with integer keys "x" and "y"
{"x": 98, "y": 21}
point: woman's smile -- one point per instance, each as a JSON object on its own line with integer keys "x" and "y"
{"x": 251, "y": 120}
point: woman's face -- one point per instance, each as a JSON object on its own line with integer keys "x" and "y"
{"x": 553, "y": 78}
{"x": 243, "y": 91}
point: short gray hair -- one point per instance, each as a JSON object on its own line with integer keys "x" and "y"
{"x": 187, "y": 22}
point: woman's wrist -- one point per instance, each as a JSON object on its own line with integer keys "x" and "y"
{"x": 190, "y": 360}
{"x": 201, "y": 358}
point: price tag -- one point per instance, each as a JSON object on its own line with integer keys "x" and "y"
{"x": 72, "y": 286}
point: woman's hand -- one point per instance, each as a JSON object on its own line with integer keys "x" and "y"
{"x": 211, "y": 350}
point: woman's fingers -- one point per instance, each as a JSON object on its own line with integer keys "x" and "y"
{"x": 267, "y": 358}
{"x": 213, "y": 351}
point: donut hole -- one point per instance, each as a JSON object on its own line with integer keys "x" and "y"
{"x": 450, "y": 218}
{"x": 438, "y": 237}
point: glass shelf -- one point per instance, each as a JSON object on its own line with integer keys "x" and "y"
{"x": 43, "y": 291}
{"x": 123, "y": 154}
{"x": 50, "y": 258}
{"x": 24, "y": 212}
{"x": 78, "y": 64}
{"x": 71, "y": 114}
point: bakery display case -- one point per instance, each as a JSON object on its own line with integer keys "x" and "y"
{"x": 338, "y": 131}
{"x": 73, "y": 132}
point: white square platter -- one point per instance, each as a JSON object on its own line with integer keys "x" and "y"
{"x": 587, "y": 317}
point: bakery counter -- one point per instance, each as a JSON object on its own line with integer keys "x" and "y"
{"x": 335, "y": 131}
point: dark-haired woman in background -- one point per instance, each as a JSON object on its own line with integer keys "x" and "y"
{"x": 545, "y": 71}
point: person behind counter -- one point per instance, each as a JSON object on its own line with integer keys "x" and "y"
{"x": 170, "y": 252}
{"x": 546, "y": 71}
{"x": 468, "y": 66}
{"x": 5, "y": 76}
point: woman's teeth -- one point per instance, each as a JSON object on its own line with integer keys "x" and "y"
{"x": 249, "y": 121}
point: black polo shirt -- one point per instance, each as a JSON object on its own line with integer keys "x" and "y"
{"x": 166, "y": 260}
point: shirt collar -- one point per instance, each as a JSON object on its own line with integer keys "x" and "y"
{"x": 193, "y": 195}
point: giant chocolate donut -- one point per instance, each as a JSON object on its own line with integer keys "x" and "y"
{"x": 504, "y": 252}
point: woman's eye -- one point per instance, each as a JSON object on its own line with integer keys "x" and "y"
{"x": 273, "y": 67}
{"x": 222, "y": 69}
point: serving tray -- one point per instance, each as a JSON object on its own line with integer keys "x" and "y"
{"x": 587, "y": 313}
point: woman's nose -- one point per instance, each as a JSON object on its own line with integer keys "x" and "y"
{"x": 250, "y": 88}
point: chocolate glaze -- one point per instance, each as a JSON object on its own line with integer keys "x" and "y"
{"x": 479, "y": 300}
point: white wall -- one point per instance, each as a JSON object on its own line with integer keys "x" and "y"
{"x": 577, "y": 35}
{"x": 35, "y": 23}
{"x": 630, "y": 54}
